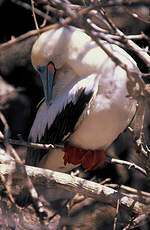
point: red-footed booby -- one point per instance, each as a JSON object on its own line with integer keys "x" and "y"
{"x": 86, "y": 102}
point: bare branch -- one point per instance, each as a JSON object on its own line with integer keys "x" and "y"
{"x": 53, "y": 26}
{"x": 129, "y": 164}
{"x": 48, "y": 178}
{"x": 29, "y": 7}
{"x": 129, "y": 190}
{"x": 116, "y": 217}
{"x": 34, "y": 16}
{"x": 28, "y": 144}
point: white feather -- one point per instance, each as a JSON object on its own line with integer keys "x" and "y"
{"x": 82, "y": 64}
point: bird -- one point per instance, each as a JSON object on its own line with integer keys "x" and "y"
{"x": 87, "y": 103}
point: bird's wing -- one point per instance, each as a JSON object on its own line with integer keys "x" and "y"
{"x": 53, "y": 124}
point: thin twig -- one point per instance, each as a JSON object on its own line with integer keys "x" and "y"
{"x": 129, "y": 164}
{"x": 116, "y": 216}
{"x": 129, "y": 190}
{"x": 137, "y": 16}
{"x": 53, "y": 26}
{"x": 29, "y": 144}
{"x": 110, "y": 4}
{"x": 29, "y": 7}
{"x": 34, "y": 16}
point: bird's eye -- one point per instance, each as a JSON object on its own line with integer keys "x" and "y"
{"x": 41, "y": 69}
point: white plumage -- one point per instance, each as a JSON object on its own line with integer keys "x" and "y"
{"x": 82, "y": 65}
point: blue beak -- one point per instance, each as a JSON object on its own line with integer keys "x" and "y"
{"x": 47, "y": 77}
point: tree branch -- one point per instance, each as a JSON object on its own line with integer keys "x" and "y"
{"x": 28, "y": 144}
{"x": 129, "y": 164}
{"x": 48, "y": 178}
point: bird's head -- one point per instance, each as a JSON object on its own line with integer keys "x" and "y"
{"x": 49, "y": 53}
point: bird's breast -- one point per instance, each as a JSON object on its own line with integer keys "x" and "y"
{"x": 107, "y": 115}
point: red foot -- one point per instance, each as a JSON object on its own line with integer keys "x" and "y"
{"x": 89, "y": 159}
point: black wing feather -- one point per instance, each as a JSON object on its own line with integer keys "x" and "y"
{"x": 63, "y": 124}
